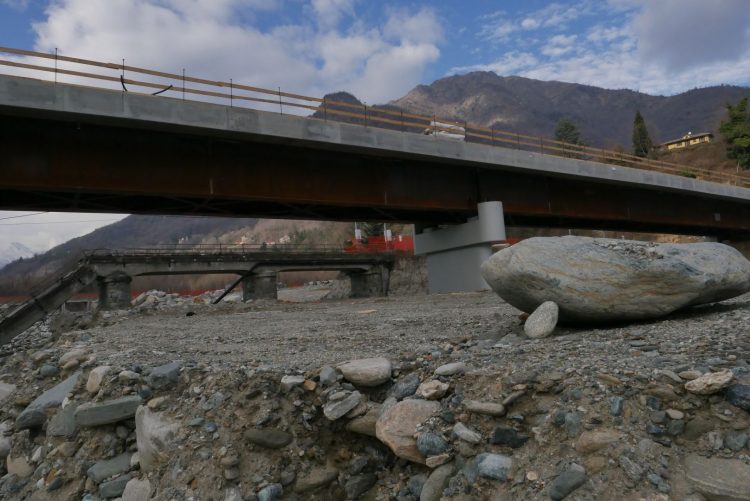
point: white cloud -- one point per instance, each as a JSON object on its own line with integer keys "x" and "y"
{"x": 205, "y": 37}
{"x": 330, "y": 12}
{"x": 682, "y": 35}
{"x": 512, "y": 63}
{"x": 421, "y": 27}
{"x": 662, "y": 47}
{"x": 497, "y": 27}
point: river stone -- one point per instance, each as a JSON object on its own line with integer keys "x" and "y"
{"x": 337, "y": 408}
{"x": 114, "y": 488}
{"x": 465, "y": 433}
{"x": 54, "y": 396}
{"x": 137, "y": 490}
{"x": 493, "y": 409}
{"x": 102, "y": 470}
{"x": 271, "y": 492}
{"x": 432, "y": 390}
{"x": 739, "y": 396}
{"x": 405, "y": 387}
{"x": 359, "y": 484}
{"x": 594, "y": 440}
{"x": 164, "y": 376}
{"x": 63, "y": 424}
{"x": 365, "y": 424}
{"x": 367, "y": 371}
{"x": 155, "y": 438}
{"x": 31, "y": 419}
{"x": 269, "y": 438}
{"x": 710, "y": 383}
{"x": 432, "y": 489}
{"x": 96, "y": 376}
{"x": 565, "y": 483}
{"x": 431, "y": 444}
{"x": 107, "y": 412}
{"x": 493, "y": 466}
{"x": 397, "y": 425}
{"x": 542, "y": 322}
{"x": 451, "y": 369}
{"x": 717, "y": 478}
{"x": 318, "y": 477}
{"x": 603, "y": 280}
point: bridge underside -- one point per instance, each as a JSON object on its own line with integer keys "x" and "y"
{"x": 56, "y": 164}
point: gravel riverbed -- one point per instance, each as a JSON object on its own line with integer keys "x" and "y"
{"x": 588, "y": 413}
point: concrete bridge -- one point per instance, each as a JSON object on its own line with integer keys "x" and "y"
{"x": 73, "y": 148}
{"x": 257, "y": 268}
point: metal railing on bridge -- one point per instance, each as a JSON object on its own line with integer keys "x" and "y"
{"x": 386, "y": 116}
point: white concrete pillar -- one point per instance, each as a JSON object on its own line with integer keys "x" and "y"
{"x": 455, "y": 253}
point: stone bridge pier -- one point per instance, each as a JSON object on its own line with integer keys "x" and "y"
{"x": 260, "y": 285}
{"x": 114, "y": 291}
{"x": 373, "y": 282}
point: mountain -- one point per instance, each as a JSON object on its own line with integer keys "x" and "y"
{"x": 131, "y": 232}
{"x": 533, "y": 107}
{"x": 14, "y": 251}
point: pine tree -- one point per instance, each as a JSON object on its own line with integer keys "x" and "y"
{"x": 736, "y": 131}
{"x": 642, "y": 144}
{"x": 567, "y": 132}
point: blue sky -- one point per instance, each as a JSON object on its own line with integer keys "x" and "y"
{"x": 380, "y": 50}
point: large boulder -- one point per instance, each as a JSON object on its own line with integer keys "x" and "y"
{"x": 604, "y": 280}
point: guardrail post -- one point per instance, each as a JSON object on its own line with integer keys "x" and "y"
{"x": 281, "y": 107}
{"x": 325, "y": 110}
{"x": 55, "y": 64}
{"x": 231, "y": 93}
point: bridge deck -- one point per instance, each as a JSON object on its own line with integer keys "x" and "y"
{"x": 83, "y": 149}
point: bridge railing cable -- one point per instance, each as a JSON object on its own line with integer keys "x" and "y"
{"x": 180, "y": 85}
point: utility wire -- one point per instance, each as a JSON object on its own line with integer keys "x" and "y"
{"x": 62, "y": 222}
{"x": 23, "y": 215}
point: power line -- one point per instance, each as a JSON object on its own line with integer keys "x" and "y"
{"x": 23, "y": 215}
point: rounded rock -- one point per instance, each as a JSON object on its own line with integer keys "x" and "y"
{"x": 367, "y": 371}
{"x": 542, "y": 321}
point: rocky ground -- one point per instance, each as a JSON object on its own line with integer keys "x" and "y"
{"x": 409, "y": 398}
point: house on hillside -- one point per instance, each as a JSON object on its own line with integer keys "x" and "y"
{"x": 688, "y": 139}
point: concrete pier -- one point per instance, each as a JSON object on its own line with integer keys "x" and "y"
{"x": 455, "y": 253}
{"x": 114, "y": 291}
{"x": 373, "y": 282}
{"x": 261, "y": 285}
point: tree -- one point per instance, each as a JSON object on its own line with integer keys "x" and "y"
{"x": 642, "y": 144}
{"x": 736, "y": 131}
{"x": 567, "y": 132}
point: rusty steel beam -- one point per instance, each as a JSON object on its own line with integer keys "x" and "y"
{"x": 61, "y": 165}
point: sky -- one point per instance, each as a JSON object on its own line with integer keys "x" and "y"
{"x": 379, "y": 50}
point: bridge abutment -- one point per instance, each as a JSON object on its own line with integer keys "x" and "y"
{"x": 261, "y": 285}
{"x": 114, "y": 291}
{"x": 454, "y": 254}
{"x": 373, "y": 282}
